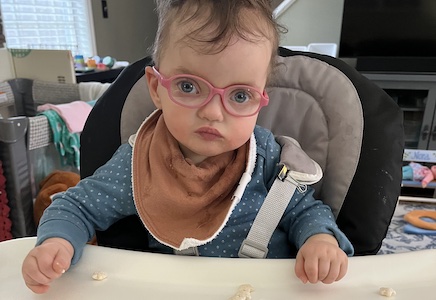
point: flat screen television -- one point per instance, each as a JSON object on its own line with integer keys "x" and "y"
{"x": 390, "y": 35}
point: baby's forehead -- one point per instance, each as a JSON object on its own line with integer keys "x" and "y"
{"x": 208, "y": 30}
{"x": 205, "y": 42}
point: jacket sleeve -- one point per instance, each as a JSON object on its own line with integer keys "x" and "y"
{"x": 96, "y": 202}
{"x": 306, "y": 217}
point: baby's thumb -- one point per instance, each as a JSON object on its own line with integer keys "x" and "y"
{"x": 62, "y": 261}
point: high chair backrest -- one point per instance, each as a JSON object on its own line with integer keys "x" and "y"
{"x": 351, "y": 127}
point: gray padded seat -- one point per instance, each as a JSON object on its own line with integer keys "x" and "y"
{"x": 345, "y": 122}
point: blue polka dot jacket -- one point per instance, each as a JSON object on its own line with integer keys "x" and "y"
{"x": 100, "y": 200}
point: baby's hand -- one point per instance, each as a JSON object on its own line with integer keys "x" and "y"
{"x": 45, "y": 263}
{"x": 321, "y": 259}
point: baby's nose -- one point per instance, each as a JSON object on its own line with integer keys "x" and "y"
{"x": 214, "y": 109}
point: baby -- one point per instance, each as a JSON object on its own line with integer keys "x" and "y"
{"x": 181, "y": 172}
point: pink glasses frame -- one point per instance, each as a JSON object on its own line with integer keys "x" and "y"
{"x": 166, "y": 82}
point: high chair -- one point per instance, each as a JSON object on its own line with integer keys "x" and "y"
{"x": 343, "y": 121}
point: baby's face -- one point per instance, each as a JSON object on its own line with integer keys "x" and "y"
{"x": 210, "y": 130}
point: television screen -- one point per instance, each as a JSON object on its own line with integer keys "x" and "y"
{"x": 399, "y": 31}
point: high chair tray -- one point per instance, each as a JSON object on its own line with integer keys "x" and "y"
{"x": 137, "y": 275}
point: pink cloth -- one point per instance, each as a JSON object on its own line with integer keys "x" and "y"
{"x": 5, "y": 221}
{"x": 419, "y": 171}
{"x": 74, "y": 113}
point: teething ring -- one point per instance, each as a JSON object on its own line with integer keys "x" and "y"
{"x": 415, "y": 218}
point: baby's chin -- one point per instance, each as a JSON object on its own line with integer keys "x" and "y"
{"x": 198, "y": 156}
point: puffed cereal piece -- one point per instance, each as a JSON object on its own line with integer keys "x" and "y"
{"x": 387, "y": 291}
{"x": 243, "y": 293}
{"x": 99, "y": 275}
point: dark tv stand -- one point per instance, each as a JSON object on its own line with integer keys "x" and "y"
{"x": 397, "y": 65}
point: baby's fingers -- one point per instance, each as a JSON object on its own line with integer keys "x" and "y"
{"x": 33, "y": 278}
{"x": 331, "y": 269}
{"x": 329, "y": 273}
{"x": 315, "y": 269}
{"x": 338, "y": 269}
{"x": 299, "y": 268}
{"x": 338, "y": 266}
{"x": 37, "y": 288}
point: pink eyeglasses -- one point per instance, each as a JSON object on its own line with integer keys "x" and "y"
{"x": 193, "y": 92}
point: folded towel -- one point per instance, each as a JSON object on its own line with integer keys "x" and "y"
{"x": 92, "y": 102}
{"x": 407, "y": 173}
{"x": 409, "y": 228}
{"x": 66, "y": 142}
{"x": 74, "y": 113}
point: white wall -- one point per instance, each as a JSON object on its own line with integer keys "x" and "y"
{"x": 129, "y": 30}
{"x": 312, "y": 21}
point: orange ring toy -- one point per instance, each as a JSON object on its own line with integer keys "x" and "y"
{"x": 415, "y": 218}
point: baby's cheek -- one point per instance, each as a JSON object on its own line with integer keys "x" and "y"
{"x": 241, "y": 133}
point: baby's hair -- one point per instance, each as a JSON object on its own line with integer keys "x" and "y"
{"x": 213, "y": 24}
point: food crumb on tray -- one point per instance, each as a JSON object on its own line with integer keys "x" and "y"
{"x": 99, "y": 275}
{"x": 243, "y": 293}
{"x": 387, "y": 291}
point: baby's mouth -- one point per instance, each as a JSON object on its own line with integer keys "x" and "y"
{"x": 208, "y": 133}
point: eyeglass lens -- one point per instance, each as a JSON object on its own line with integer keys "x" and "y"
{"x": 193, "y": 92}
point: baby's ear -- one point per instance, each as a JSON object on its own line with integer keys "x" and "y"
{"x": 153, "y": 83}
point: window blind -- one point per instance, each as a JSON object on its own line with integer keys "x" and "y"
{"x": 49, "y": 24}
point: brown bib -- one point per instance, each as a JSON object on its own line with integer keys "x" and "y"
{"x": 182, "y": 205}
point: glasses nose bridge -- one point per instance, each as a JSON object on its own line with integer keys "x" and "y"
{"x": 216, "y": 91}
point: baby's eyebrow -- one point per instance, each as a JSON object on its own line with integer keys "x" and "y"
{"x": 183, "y": 70}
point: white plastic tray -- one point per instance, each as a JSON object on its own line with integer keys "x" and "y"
{"x": 137, "y": 275}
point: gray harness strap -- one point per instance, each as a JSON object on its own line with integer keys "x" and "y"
{"x": 266, "y": 221}
{"x": 304, "y": 171}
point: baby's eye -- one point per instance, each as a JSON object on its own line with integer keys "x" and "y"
{"x": 187, "y": 87}
{"x": 241, "y": 96}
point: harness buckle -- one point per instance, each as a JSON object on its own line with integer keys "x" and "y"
{"x": 192, "y": 251}
{"x": 250, "y": 249}
{"x": 283, "y": 173}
